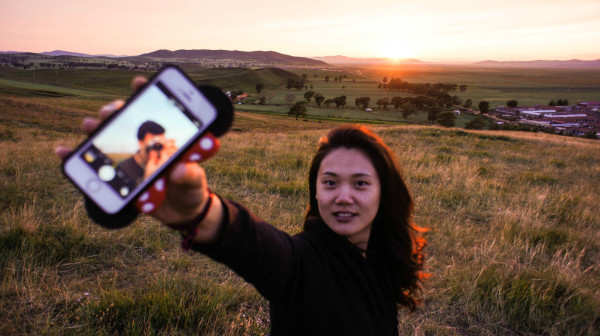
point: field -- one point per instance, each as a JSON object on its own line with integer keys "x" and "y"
{"x": 513, "y": 241}
{"x": 498, "y": 85}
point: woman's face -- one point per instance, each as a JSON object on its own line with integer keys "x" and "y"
{"x": 348, "y": 194}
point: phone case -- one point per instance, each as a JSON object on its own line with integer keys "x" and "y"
{"x": 130, "y": 212}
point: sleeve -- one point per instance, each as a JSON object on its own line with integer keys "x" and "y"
{"x": 263, "y": 255}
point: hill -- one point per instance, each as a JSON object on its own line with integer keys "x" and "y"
{"x": 512, "y": 246}
{"x": 245, "y": 79}
{"x": 65, "y": 53}
{"x": 574, "y": 63}
{"x": 260, "y": 57}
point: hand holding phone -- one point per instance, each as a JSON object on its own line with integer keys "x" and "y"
{"x": 156, "y": 149}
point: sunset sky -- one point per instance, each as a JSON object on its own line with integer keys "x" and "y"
{"x": 430, "y": 30}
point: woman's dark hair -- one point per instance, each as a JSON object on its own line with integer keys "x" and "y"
{"x": 393, "y": 238}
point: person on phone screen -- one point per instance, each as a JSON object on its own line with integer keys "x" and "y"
{"x": 357, "y": 261}
{"x": 155, "y": 149}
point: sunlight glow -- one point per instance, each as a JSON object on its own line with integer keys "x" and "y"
{"x": 398, "y": 50}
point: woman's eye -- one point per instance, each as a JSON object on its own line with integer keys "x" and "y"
{"x": 329, "y": 183}
{"x": 362, "y": 183}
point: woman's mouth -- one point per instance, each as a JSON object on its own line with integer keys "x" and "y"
{"x": 344, "y": 216}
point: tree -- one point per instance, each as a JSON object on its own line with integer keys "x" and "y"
{"x": 462, "y": 88}
{"x": 433, "y": 112}
{"x": 262, "y": 100}
{"x": 397, "y": 101}
{"x": 319, "y": 98}
{"x": 290, "y": 83}
{"x": 298, "y": 109}
{"x": 327, "y": 78}
{"x": 329, "y": 102}
{"x": 468, "y": 103}
{"x": 308, "y": 95}
{"x": 552, "y": 103}
{"x": 304, "y": 77}
{"x": 340, "y": 101}
{"x": 383, "y": 102}
{"x": 446, "y": 119}
{"x": 290, "y": 97}
{"x": 407, "y": 109}
{"x": 476, "y": 123}
{"x": 484, "y": 106}
{"x": 259, "y": 87}
{"x": 362, "y": 102}
{"x": 512, "y": 103}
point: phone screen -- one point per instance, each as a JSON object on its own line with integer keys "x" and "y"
{"x": 140, "y": 139}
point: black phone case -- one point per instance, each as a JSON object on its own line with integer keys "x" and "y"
{"x": 129, "y": 213}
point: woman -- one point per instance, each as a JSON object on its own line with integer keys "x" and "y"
{"x": 354, "y": 264}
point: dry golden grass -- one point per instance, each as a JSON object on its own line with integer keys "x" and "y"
{"x": 513, "y": 241}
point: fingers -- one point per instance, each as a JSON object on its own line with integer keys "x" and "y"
{"x": 89, "y": 125}
{"x": 186, "y": 194}
{"x": 108, "y": 109}
{"x": 137, "y": 82}
{"x": 62, "y": 151}
{"x": 188, "y": 174}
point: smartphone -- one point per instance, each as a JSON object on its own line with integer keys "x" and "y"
{"x": 140, "y": 140}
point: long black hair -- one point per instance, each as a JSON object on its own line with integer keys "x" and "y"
{"x": 393, "y": 238}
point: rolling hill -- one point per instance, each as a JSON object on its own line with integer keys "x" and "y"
{"x": 260, "y": 57}
{"x": 245, "y": 79}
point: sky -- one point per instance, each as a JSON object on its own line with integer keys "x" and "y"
{"x": 429, "y": 30}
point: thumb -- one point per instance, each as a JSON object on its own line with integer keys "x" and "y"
{"x": 188, "y": 174}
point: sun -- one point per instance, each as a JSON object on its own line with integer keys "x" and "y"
{"x": 397, "y": 51}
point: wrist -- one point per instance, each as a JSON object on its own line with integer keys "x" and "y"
{"x": 189, "y": 229}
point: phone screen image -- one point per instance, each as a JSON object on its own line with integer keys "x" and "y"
{"x": 140, "y": 139}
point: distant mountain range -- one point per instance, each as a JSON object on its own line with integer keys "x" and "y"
{"x": 61, "y": 53}
{"x": 272, "y": 58}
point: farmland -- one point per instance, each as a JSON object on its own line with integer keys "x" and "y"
{"x": 513, "y": 239}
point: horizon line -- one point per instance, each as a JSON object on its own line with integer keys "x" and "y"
{"x": 391, "y": 59}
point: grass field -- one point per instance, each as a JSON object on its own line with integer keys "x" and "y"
{"x": 498, "y": 85}
{"x": 512, "y": 218}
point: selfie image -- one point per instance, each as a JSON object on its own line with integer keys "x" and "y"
{"x": 145, "y": 137}
{"x": 323, "y": 168}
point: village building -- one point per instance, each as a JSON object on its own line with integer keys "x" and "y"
{"x": 579, "y": 120}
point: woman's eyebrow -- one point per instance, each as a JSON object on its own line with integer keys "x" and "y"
{"x": 353, "y": 175}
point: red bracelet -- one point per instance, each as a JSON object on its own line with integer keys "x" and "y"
{"x": 188, "y": 239}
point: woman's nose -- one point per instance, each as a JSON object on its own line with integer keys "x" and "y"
{"x": 344, "y": 196}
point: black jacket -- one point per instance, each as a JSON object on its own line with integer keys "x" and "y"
{"x": 317, "y": 282}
